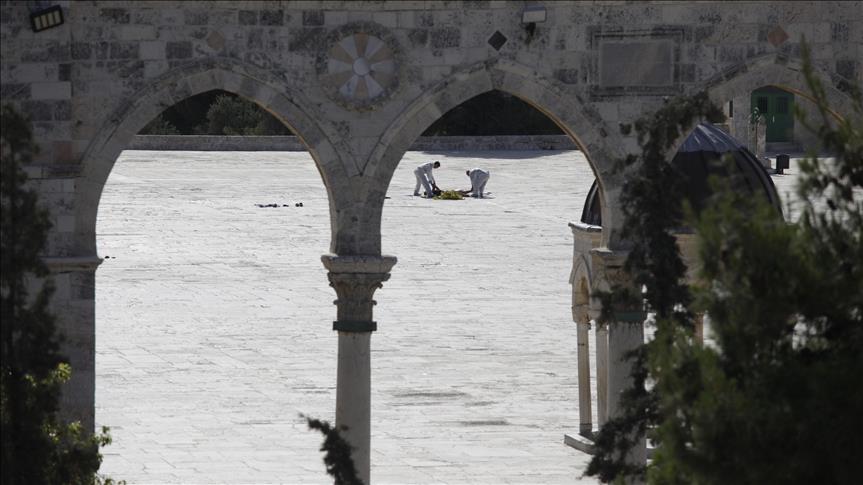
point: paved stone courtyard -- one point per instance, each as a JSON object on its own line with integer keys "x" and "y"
{"x": 214, "y": 321}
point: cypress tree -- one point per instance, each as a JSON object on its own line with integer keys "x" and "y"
{"x": 36, "y": 447}
{"x": 776, "y": 397}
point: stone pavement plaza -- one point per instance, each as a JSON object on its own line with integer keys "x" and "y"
{"x": 214, "y": 321}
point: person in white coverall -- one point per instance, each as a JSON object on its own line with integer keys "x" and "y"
{"x": 425, "y": 177}
{"x": 478, "y": 179}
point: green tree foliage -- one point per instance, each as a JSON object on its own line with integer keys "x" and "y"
{"x": 36, "y": 446}
{"x": 777, "y": 399}
{"x": 160, "y": 126}
{"x": 493, "y": 113}
{"x": 337, "y": 453}
{"x": 215, "y": 113}
{"x": 232, "y": 116}
{"x": 653, "y": 210}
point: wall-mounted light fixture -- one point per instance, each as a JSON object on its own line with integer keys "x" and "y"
{"x": 530, "y": 16}
{"x": 533, "y": 14}
{"x": 46, "y": 18}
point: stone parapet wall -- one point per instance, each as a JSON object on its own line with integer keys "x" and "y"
{"x": 471, "y": 143}
{"x": 218, "y": 143}
{"x": 292, "y": 143}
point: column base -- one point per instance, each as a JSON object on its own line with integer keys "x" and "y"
{"x": 580, "y": 443}
{"x": 586, "y": 444}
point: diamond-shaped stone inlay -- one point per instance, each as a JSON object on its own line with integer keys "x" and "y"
{"x": 777, "y": 36}
{"x": 497, "y": 40}
{"x": 360, "y": 66}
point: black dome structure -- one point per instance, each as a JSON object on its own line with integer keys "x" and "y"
{"x": 699, "y": 158}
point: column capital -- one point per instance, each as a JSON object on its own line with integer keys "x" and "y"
{"x": 355, "y": 279}
{"x": 610, "y": 273}
{"x": 358, "y": 263}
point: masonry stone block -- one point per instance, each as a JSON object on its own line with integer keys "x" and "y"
{"x": 49, "y": 51}
{"x": 36, "y": 72}
{"x": 53, "y": 90}
{"x": 313, "y": 18}
{"x": 38, "y": 110}
{"x": 255, "y": 39}
{"x": 272, "y": 17}
{"x": 115, "y": 15}
{"x": 15, "y": 91}
{"x": 418, "y": 37}
{"x": 387, "y": 19}
{"x": 335, "y": 18}
{"x": 567, "y": 76}
{"x": 124, "y": 50}
{"x": 64, "y": 72}
{"x": 155, "y": 68}
{"x": 448, "y": 37}
{"x": 196, "y": 17}
{"x": 154, "y": 49}
{"x": 136, "y": 32}
{"x": 247, "y": 17}
{"x": 178, "y": 50}
{"x": 307, "y": 40}
{"x": 406, "y": 20}
{"x": 81, "y": 50}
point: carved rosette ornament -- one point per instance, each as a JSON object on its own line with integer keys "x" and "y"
{"x": 359, "y": 70}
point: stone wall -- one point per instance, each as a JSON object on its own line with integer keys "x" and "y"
{"x": 292, "y": 143}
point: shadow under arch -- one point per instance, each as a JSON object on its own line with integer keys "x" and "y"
{"x": 195, "y": 78}
{"x": 580, "y": 122}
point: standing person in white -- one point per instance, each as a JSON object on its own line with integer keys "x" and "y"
{"x": 478, "y": 179}
{"x": 425, "y": 177}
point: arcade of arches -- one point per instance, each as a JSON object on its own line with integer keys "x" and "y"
{"x": 358, "y": 84}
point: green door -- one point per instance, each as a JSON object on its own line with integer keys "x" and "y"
{"x": 777, "y": 107}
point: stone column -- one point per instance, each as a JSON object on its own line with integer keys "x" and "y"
{"x": 601, "y": 373}
{"x": 740, "y": 118}
{"x": 624, "y": 335}
{"x": 585, "y": 427}
{"x": 625, "y": 332}
{"x": 74, "y": 305}
{"x": 355, "y": 279}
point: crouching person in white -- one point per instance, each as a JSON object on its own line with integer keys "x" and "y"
{"x": 478, "y": 179}
{"x": 425, "y": 177}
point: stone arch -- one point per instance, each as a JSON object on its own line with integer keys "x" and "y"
{"x": 578, "y": 120}
{"x": 779, "y": 71}
{"x": 769, "y": 70}
{"x": 178, "y": 84}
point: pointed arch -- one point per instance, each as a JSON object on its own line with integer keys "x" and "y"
{"x": 781, "y": 72}
{"x": 181, "y": 83}
{"x": 577, "y": 119}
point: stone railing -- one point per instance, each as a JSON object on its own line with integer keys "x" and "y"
{"x": 292, "y": 143}
{"x": 218, "y": 143}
